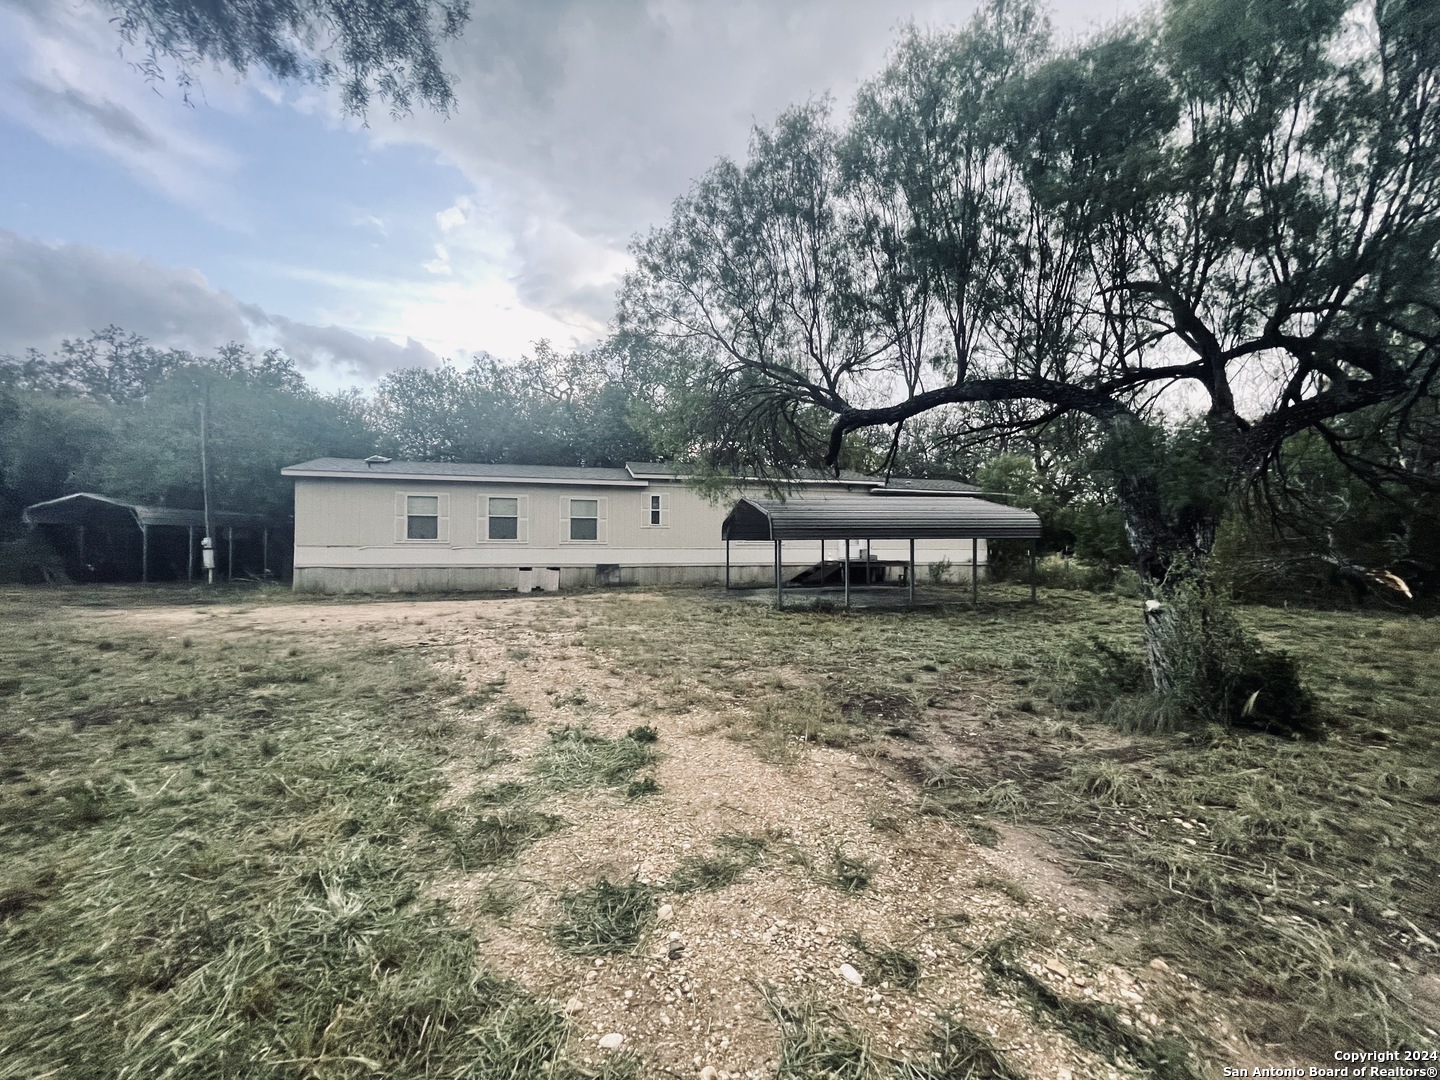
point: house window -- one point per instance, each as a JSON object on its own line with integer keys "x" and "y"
{"x": 504, "y": 519}
{"x": 584, "y": 519}
{"x": 422, "y": 517}
{"x": 654, "y": 509}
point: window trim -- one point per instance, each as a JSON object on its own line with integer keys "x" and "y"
{"x": 602, "y": 518}
{"x": 658, "y": 503}
{"x": 403, "y": 516}
{"x": 522, "y": 520}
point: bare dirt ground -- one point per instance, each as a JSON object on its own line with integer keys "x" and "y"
{"x": 689, "y": 1001}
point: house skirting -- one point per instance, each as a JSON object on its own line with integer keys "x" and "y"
{"x": 427, "y": 579}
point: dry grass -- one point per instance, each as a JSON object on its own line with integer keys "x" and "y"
{"x": 215, "y": 853}
{"x": 217, "y": 847}
{"x": 1296, "y": 878}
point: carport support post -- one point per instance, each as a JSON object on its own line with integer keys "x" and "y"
{"x": 265, "y": 550}
{"x": 144, "y": 554}
{"x": 910, "y": 576}
{"x": 847, "y": 573}
{"x": 974, "y": 571}
{"x": 779, "y": 595}
{"x": 727, "y": 562}
{"x": 1032, "y": 571}
{"x": 190, "y": 553}
{"x": 230, "y": 536}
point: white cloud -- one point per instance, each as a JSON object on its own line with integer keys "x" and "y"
{"x": 69, "y": 85}
{"x": 578, "y": 124}
{"x": 49, "y": 292}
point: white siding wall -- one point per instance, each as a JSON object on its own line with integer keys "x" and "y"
{"x": 355, "y": 524}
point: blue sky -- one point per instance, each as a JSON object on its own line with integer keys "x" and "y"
{"x": 262, "y": 214}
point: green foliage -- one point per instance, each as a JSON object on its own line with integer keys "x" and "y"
{"x": 384, "y": 48}
{"x": 1224, "y": 675}
{"x": 113, "y": 415}
{"x": 1054, "y": 250}
{"x": 1077, "y": 509}
{"x": 1326, "y": 536}
{"x": 1219, "y": 673}
{"x": 29, "y": 560}
{"x": 550, "y": 408}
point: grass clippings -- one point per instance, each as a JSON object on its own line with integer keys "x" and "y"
{"x": 737, "y": 853}
{"x": 1093, "y": 1025}
{"x": 881, "y": 963}
{"x": 222, "y": 869}
{"x": 576, "y": 757}
{"x": 706, "y": 873}
{"x": 847, "y": 873}
{"x": 958, "y": 1052}
{"x": 512, "y": 712}
{"x": 646, "y": 785}
{"x": 817, "y": 1042}
{"x": 501, "y": 835}
{"x": 604, "y": 918}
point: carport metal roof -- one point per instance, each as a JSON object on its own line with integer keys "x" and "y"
{"x": 86, "y": 507}
{"x": 916, "y": 517}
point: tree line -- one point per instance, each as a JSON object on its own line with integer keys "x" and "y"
{"x": 116, "y": 415}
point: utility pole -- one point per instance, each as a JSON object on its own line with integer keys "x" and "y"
{"x": 207, "y": 545}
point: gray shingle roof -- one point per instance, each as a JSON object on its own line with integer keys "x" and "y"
{"x": 905, "y": 484}
{"x": 635, "y": 474}
{"x": 666, "y": 469}
{"x": 456, "y": 470}
{"x": 864, "y": 517}
{"x": 672, "y": 471}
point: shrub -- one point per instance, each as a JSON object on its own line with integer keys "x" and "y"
{"x": 30, "y": 561}
{"x": 1220, "y": 673}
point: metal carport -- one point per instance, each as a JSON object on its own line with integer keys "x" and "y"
{"x": 100, "y": 512}
{"x": 853, "y": 517}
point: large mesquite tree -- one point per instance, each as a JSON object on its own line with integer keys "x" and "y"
{"x": 1229, "y": 210}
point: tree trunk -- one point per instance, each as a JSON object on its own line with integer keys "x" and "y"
{"x": 1161, "y": 645}
{"x": 1171, "y": 557}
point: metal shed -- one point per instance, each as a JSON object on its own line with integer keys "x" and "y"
{"x": 847, "y": 517}
{"x": 99, "y": 512}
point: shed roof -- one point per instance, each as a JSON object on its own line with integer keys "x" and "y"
{"x": 838, "y": 517}
{"x": 85, "y": 507}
